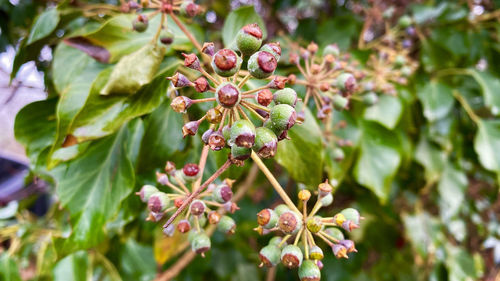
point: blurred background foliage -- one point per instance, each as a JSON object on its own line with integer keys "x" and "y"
{"x": 424, "y": 169}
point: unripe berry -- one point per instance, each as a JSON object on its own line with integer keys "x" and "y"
{"x": 197, "y": 207}
{"x": 184, "y": 226}
{"x": 249, "y": 39}
{"x": 267, "y": 218}
{"x": 226, "y": 225}
{"x": 349, "y": 245}
{"x": 140, "y": 24}
{"x": 316, "y": 253}
{"x": 228, "y": 95}
{"x": 338, "y": 154}
{"x": 292, "y": 78}
{"x": 266, "y": 142}
{"x": 214, "y": 116}
{"x": 312, "y": 48}
{"x": 180, "y": 80}
{"x": 291, "y": 256}
{"x": 262, "y": 64}
{"x": 399, "y": 61}
{"x": 406, "y": 71}
{"x": 243, "y": 133}
{"x": 278, "y": 82}
{"x": 222, "y": 193}
{"x": 286, "y": 96}
{"x": 339, "y": 251}
{"x": 340, "y": 102}
{"x": 290, "y": 222}
{"x": 169, "y": 230}
{"x": 327, "y": 200}
{"x": 181, "y": 103}
{"x": 162, "y": 178}
{"x": 264, "y": 97}
{"x": 404, "y": 21}
{"x": 190, "y": 172}
{"x": 282, "y": 117}
{"x": 200, "y": 243}
{"x": 331, "y": 49}
{"x": 226, "y": 131}
{"x": 206, "y": 135}
{"x": 146, "y": 192}
{"x": 208, "y": 48}
{"x": 216, "y": 141}
{"x": 349, "y": 225}
{"x": 280, "y": 209}
{"x": 189, "y": 9}
{"x": 270, "y": 255}
{"x": 214, "y": 217}
{"x": 201, "y": 85}
{"x": 178, "y": 202}
{"x": 351, "y": 214}
{"x": 231, "y": 207}
{"x": 191, "y": 61}
{"x": 240, "y": 152}
{"x": 370, "y": 98}
{"x": 276, "y": 240}
{"x": 335, "y": 233}
{"x": 324, "y": 189}
{"x": 314, "y": 224}
{"x": 226, "y": 62}
{"x": 309, "y": 271}
{"x": 273, "y": 48}
{"x": 158, "y": 202}
{"x": 190, "y": 128}
{"x": 346, "y": 82}
{"x": 166, "y": 37}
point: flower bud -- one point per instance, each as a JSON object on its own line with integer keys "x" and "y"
{"x": 338, "y": 154}
{"x": 178, "y": 202}
{"x": 206, "y": 135}
{"x": 331, "y": 49}
{"x": 262, "y": 64}
{"x": 228, "y": 95}
{"x": 146, "y": 192}
{"x": 158, "y": 202}
{"x": 140, "y": 24}
{"x": 191, "y": 61}
{"x": 226, "y": 62}
{"x": 370, "y": 98}
{"x": 286, "y": 96}
{"x": 339, "y": 251}
{"x": 216, "y": 141}
{"x": 316, "y": 253}
{"x": 169, "y": 230}
{"x": 304, "y": 195}
{"x": 335, "y": 233}
{"x": 180, "y": 81}
{"x": 197, "y": 207}
{"x": 270, "y": 255}
{"x": 346, "y": 82}
{"x": 249, "y": 39}
{"x": 190, "y": 128}
{"x": 267, "y": 218}
{"x": 404, "y": 21}
{"x": 280, "y": 209}
{"x": 340, "y": 102}
{"x": 184, "y": 226}
{"x": 282, "y": 117}
{"x": 170, "y": 167}
{"x": 324, "y": 189}
{"x": 226, "y": 225}
{"x": 240, "y": 153}
{"x": 243, "y": 133}
{"x": 214, "y": 116}
{"x": 264, "y": 97}
{"x": 200, "y": 243}
{"x": 231, "y": 207}
{"x": 201, "y": 85}
{"x": 327, "y": 200}
{"x": 214, "y": 217}
{"x": 278, "y": 82}
{"x": 291, "y": 256}
{"x": 290, "y": 222}
{"x": 292, "y": 78}
{"x": 309, "y": 271}
{"x": 349, "y": 245}
{"x": 349, "y": 225}
{"x": 273, "y": 48}
{"x": 266, "y": 142}
{"x": 162, "y": 178}
{"x": 181, "y": 103}
{"x": 314, "y": 224}
{"x": 190, "y": 9}
{"x": 319, "y": 264}
{"x": 208, "y": 48}
{"x": 222, "y": 193}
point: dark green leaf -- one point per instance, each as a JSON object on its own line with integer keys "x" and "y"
{"x": 490, "y": 85}
{"x": 137, "y": 261}
{"x": 73, "y": 268}
{"x": 387, "y": 111}
{"x": 436, "y": 98}
{"x": 451, "y": 188}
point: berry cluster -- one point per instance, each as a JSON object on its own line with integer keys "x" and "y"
{"x": 236, "y": 109}
{"x": 195, "y": 217}
{"x": 302, "y": 228}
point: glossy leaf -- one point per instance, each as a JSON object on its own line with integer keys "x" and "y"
{"x": 436, "y": 98}
{"x": 137, "y": 261}
{"x": 431, "y": 158}
{"x": 451, "y": 188}
{"x": 487, "y": 144}
{"x": 93, "y": 186}
{"x": 9, "y": 270}
{"x": 378, "y": 160}
{"x": 423, "y": 232}
{"x": 386, "y": 112}
{"x": 44, "y": 24}
{"x": 302, "y": 155}
{"x": 236, "y": 20}
{"x": 490, "y": 85}
{"x": 74, "y": 267}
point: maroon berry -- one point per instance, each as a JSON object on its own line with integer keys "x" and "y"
{"x": 201, "y": 85}
{"x": 183, "y": 226}
{"x": 191, "y": 61}
{"x": 227, "y": 95}
{"x": 267, "y": 62}
{"x": 225, "y": 59}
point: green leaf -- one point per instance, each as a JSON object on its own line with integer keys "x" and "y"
{"x": 302, "y": 155}
{"x": 236, "y": 20}
{"x": 490, "y": 85}
{"x": 93, "y": 186}
{"x": 487, "y": 144}
{"x": 378, "y": 160}
{"x": 436, "y": 98}
{"x": 73, "y": 268}
{"x": 137, "y": 261}
{"x": 460, "y": 264}
{"x": 341, "y": 30}
{"x": 9, "y": 270}
{"x": 134, "y": 70}
{"x": 451, "y": 188}
{"x": 423, "y": 231}
{"x": 431, "y": 158}
{"x": 104, "y": 115}
{"x": 44, "y": 24}
{"x": 386, "y": 112}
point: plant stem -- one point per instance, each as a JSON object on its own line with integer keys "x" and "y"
{"x": 274, "y": 182}
{"x": 201, "y": 165}
{"x": 467, "y": 107}
{"x": 187, "y": 32}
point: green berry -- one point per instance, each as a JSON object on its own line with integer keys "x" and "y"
{"x": 331, "y": 49}
{"x": 309, "y": 271}
{"x": 249, "y": 39}
{"x": 273, "y": 48}
{"x": 282, "y": 117}
{"x": 340, "y": 102}
{"x": 338, "y": 154}
{"x": 388, "y": 13}
{"x": 316, "y": 253}
{"x": 351, "y": 214}
{"x": 140, "y": 24}
{"x": 406, "y": 71}
{"x": 276, "y": 240}
{"x": 370, "y": 98}
{"x": 200, "y": 243}
{"x": 243, "y": 133}
{"x": 158, "y": 202}
{"x": 240, "y": 153}
{"x": 146, "y": 192}
{"x": 327, "y": 200}
{"x": 404, "y": 21}
{"x": 266, "y": 142}
{"x": 286, "y": 96}
{"x": 166, "y": 37}
{"x": 262, "y": 64}
{"x": 399, "y": 61}
{"x": 335, "y": 233}
{"x": 280, "y": 209}
{"x": 291, "y": 256}
{"x": 226, "y": 62}
{"x": 227, "y": 225}
{"x": 222, "y": 193}
{"x": 290, "y": 222}
{"x": 346, "y": 82}
{"x": 270, "y": 255}
{"x": 267, "y": 218}
{"x": 314, "y": 224}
